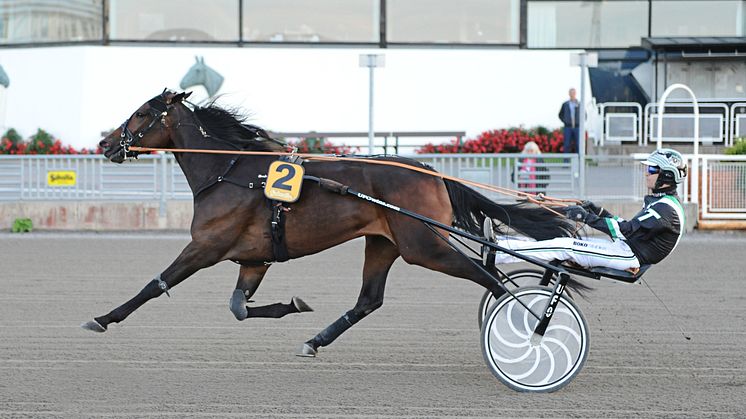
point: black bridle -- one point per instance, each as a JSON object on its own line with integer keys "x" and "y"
{"x": 157, "y": 111}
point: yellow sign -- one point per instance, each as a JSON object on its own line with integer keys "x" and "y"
{"x": 61, "y": 178}
{"x": 284, "y": 181}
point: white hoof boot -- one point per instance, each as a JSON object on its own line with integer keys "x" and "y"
{"x": 301, "y": 305}
{"x": 307, "y": 351}
{"x": 237, "y": 304}
{"x": 93, "y": 326}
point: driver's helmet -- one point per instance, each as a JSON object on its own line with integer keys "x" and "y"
{"x": 671, "y": 163}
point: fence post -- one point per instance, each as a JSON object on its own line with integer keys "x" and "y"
{"x": 164, "y": 171}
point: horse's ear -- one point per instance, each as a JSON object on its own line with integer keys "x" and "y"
{"x": 196, "y": 58}
{"x": 179, "y": 97}
{"x": 201, "y": 60}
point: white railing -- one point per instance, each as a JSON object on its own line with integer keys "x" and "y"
{"x": 25, "y": 178}
{"x": 628, "y": 122}
{"x": 738, "y": 121}
{"x": 723, "y": 187}
{"x": 552, "y": 174}
{"x": 679, "y": 126}
{"x": 619, "y": 127}
{"x": 159, "y": 178}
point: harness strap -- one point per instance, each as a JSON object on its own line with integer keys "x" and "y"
{"x": 224, "y": 178}
{"x": 277, "y": 226}
{"x": 277, "y": 222}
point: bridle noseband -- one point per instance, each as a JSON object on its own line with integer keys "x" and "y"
{"x": 158, "y": 111}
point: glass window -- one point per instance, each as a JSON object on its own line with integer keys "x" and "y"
{"x": 24, "y": 22}
{"x": 173, "y": 20}
{"x": 698, "y": 18}
{"x": 311, "y": 20}
{"x": 587, "y": 24}
{"x": 448, "y": 21}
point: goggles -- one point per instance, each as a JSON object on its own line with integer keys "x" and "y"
{"x": 652, "y": 170}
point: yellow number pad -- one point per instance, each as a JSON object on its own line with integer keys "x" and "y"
{"x": 284, "y": 181}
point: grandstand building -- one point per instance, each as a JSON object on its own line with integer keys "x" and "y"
{"x": 78, "y": 67}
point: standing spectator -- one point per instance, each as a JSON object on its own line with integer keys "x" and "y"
{"x": 569, "y": 115}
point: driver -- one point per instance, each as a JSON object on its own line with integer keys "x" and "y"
{"x": 647, "y": 238}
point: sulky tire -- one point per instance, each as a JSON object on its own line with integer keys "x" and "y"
{"x": 518, "y": 278}
{"x": 510, "y": 356}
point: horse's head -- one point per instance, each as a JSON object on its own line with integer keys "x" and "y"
{"x": 4, "y": 80}
{"x": 146, "y": 127}
{"x": 202, "y": 75}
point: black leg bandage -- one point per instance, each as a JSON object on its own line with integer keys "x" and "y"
{"x": 153, "y": 289}
{"x": 275, "y": 311}
{"x": 332, "y": 332}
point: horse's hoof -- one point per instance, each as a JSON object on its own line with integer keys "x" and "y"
{"x": 301, "y": 305}
{"x": 238, "y": 304}
{"x": 93, "y": 326}
{"x": 307, "y": 351}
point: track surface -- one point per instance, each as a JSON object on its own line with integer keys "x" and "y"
{"x": 417, "y": 356}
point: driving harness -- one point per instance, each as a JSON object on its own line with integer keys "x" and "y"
{"x": 277, "y": 209}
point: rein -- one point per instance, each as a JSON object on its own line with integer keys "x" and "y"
{"x": 541, "y": 200}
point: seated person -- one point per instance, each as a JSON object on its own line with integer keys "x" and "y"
{"x": 645, "y": 239}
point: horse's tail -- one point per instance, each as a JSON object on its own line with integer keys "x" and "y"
{"x": 470, "y": 208}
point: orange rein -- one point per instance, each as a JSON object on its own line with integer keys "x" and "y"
{"x": 540, "y": 199}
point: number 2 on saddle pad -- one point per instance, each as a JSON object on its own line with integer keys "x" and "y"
{"x": 284, "y": 181}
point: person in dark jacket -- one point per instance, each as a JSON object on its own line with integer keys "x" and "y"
{"x": 650, "y": 236}
{"x": 569, "y": 114}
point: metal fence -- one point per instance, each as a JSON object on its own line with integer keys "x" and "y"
{"x": 159, "y": 178}
{"x": 627, "y": 122}
{"x": 724, "y": 187}
{"x": 554, "y": 174}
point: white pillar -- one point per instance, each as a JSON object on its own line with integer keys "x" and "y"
{"x": 371, "y": 61}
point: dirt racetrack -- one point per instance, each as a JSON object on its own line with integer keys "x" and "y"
{"x": 417, "y": 356}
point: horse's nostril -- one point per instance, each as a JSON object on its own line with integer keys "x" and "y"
{"x": 103, "y": 144}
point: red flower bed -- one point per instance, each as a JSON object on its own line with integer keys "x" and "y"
{"x": 501, "y": 141}
{"x": 321, "y": 146}
{"x": 40, "y": 143}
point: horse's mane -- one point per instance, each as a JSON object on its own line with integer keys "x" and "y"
{"x": 227, "y": 125}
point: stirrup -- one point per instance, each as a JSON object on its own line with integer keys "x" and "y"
{"x": 488, "y": 253}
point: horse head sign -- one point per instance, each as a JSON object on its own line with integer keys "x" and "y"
{"x": 202, "y": 75}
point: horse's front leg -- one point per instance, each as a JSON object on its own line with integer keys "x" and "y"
{"x": 194, "y": 257}
{"x": 249, "y": 278}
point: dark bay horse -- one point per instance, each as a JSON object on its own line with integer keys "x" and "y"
{"x": 232, "y": 221}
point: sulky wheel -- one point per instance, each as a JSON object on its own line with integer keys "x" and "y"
{"x": 518, "y": 278}
{"x": 550, "y": 363}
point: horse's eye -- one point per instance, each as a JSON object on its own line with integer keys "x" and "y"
{"x": 139, "y": 114}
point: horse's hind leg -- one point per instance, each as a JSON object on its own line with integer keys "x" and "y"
{"x": 249, "y": 278}
{"x": 426, "y": 249}
{"x": 194, "y": 257}
{"x": 380, "y": 254}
